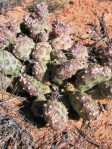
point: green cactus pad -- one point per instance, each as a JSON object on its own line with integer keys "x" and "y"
{"x": 42, "y": 52}
{"x": 32, "y": 86}
{"x": 7, "y": 37}
{"x": 9, "y": 65}
{"x": 93, "y": 75}
{"x": 84, "y": 105}
{"x": 39, "y": 70}
{"x": 5, "y": 82}
{"x": 56, "y": 114}
{"x": 23, "y": 47}
{"x": 67, "y": 70}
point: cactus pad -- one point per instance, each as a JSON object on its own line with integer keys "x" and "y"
{"x": 7, "y": 37}
{"x": 56, "y": 115}
{"x": 9, "y": 65}
{"x": 32, "y": 86}
{"x": 23, "y": 47}
{"x": 93, "y": 75}
{"x": 63, "y": 42}
{"x": 42, "y": 52}
{"x": 39, "y": 70}
{"x": 61, "y": 28}
{"x": 84, "y": 105}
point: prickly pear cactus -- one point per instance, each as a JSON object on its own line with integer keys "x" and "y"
{"x": 7, "y": 37}
{"x": 61, "y": 28}
{"x": 5, "y": 82}
{"x": 38, "y": 22}
{"x": 93, "y": 75}
{"x": 62, "y": 42}
{"x": 41, "y": 11}
{"x": 43, "y": 36}
{"x": 63, "y": 38}
{"x": 14, "y": 25}
{"x": 103, "y": 89}
{"x": 67, "y": 70}
{"x": 42, "y": 52}
{"x": 78, "y": 51}
{"x": 39, "y": 70}
{"x": 58, "y": 56}
{"x": 56, "y": 114}
{"x": 23, "y": 47}
{"x": 84, "y": 105}
{"x": 9, "y": 65}
{"x": 32, "y": 86}
{"x": 106, "y": 56}
{"x": 52, "y": 4}
{"x": 106, "y": 88}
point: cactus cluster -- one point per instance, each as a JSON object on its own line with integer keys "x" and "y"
{"x": 34, "y": 61}
{"x": 37, "y": 22}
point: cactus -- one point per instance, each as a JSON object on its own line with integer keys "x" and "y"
{"x": 43, "y": 36}
{"x": 61, "y": 28}
{"x": 38, "y": 22}
{"x": 58, "y": 56}
{"x": 39, "y": 70}
{"x": 9, "y": 65}
{"x": 36, "y": 27}
{"x": 52, "y": 5}
{"x": 23, "y": 47}
{"x": 67, "y": 70}
{"x": 78, "y": 51}
{"x": 7, "y": 37}
{"x": 56, "y": 114}
{"x": 56, "y": 3}
{"x": 5, "y": 82}
{"x": 103, "y": 89}
{"x": 32, "y": 86}
{"x": 106, "y": 88}
{"x": 106, "y": 56}
{"x": 42, "y": 52}
{"x": 62, "y": 32}
{"x": 62, "y": 42}
{"x": 41, "y": 11}
{"x": 14, "y": 25}
{"x": 84, "y": 105}
{"x": 93, "y": 75}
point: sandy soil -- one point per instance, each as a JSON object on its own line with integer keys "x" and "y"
{"x": 78, "y": 134}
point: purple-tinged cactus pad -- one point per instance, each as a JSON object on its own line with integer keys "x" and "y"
{"x": 91, "y": 76}
{"x": 32, "y": 86}
{"x": 42, "y": 52}
{"x": 39, "y": 70}
{"x": 41, "y": 11}
{"x": 78, "y": 51}
{"x": 63, "y": 42}
{"x": 84, "y": 105}
{"x": 56, "y": 114}
{"x": 61, "y": 28}
{"x": 23, "y": 47}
